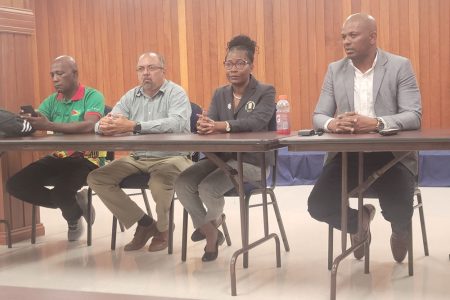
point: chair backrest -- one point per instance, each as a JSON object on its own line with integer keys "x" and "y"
{"x": 273, "y": 122}
{"x": 107, "y": 110}
{"x": 273, "y": 171}
{"x": 196, "y": 110}
{"x": 109, "y": 154}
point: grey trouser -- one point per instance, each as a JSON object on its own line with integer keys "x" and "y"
{"x": 163, "y": 170}
{"x": 204, "y": 184}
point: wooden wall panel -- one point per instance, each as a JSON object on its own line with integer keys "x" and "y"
{"x": 25, "y": 4}
{"x": 16, "y": 20}
{"x": 300, "y": 38}
{"x": 297, "y": 40}
{"x": 18, "y": 86}
{"x": 444, "y": 59}
{"x": 106, "y": 37}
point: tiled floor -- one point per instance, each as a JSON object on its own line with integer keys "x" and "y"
{"x": 53, "y": 263}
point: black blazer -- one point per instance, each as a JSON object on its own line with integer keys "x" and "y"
{"x": 254, "y": 113}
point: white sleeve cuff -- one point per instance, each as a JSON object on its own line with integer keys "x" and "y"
{"x": 325, "y": 127}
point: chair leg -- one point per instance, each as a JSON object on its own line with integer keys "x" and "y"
{"x": 366, "y": 257}
{"x": 113, "y": 233}
{"x": 246, "y": 230}
{"x": 226, "y": 233}
{"x": 410, "y": 251}
{"x": 147, "y": 205}
{"x": 184, "y": 235}
{"x": 422, "y": 222}
{"x": 33, "y": 225}
{"x": 89, "y": 221}
{"x": 330, "y": 247}
{"x": 279, "y": 220}
{"x": 171, "y": 228}
{"x": 122, "y": 228}
{"x": 8, "y": 231}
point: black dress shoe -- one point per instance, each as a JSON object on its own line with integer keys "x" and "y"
{"x": 197, "y": 235}
{"x": 368, "y": 214}
{"x": 399, "y": 245}
{"x": 220, "y": 238}
{"x": 210, "y": 256}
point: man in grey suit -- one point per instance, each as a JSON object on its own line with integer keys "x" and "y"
{"x": 368, "y": 91}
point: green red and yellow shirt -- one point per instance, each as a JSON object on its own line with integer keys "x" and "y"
{"x": 86, "y": 101}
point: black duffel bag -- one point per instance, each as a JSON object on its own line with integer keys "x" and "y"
{"x": 13, "y": 125}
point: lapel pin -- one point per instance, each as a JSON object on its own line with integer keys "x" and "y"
{"x": 250, "y": 106}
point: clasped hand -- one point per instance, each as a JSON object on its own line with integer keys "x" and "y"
{"x": 112, "y": 124}
{"x": 352, "y": 122}
{"x": 205, "y": 125}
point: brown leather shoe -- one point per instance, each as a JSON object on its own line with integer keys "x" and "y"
{"x": 368, "y": 214}
{"x": 160, "y": 241}
{"x": 141, "y": 236}
{"x": 399, "y": 245}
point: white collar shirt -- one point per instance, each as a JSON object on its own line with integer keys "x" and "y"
{"x": 363, "y": 91}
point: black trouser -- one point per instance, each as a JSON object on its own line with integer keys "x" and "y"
{"x": 395, "y": 190}
{"x": 66, "y": 175}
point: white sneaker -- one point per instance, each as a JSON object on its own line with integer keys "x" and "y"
{"x": 76, "y": 229}
{"x": 82, "y": 200}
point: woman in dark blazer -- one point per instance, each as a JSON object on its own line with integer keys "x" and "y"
{"x": 243, "y": 105}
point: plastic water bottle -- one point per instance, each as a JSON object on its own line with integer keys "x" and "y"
{"x": 283, "y": 124}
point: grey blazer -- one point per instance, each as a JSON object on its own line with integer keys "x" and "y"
{"x": 395, "y": 91}
{"x": 254, "y": 112}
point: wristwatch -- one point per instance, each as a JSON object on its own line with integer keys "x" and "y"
{"x": 227, "y": 128}
{"x": 137, "y": 128}
{"x": 380, "y": 124}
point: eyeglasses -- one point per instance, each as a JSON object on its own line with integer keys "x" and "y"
{"x": 240, "y": 64}
{"x": 150, "y": 68}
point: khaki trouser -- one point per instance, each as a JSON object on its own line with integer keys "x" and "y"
{"x": 163, "y": 172}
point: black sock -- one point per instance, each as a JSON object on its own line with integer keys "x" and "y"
{"x": 146, "y": 220}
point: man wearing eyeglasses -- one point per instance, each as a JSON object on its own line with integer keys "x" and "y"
{"x": 157, "y": 105}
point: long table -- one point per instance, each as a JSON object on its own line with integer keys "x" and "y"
{"x": 433, "y": 139}
{"x": 259, "y": 143}
{"x": 247, "y": 142}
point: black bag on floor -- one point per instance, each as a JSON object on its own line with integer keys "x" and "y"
{"x": 13, "y": 125}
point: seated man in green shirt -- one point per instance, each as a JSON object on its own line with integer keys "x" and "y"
{"x": 73, "y": 108}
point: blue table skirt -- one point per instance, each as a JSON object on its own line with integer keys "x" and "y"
{"x": 298, "y": 168}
